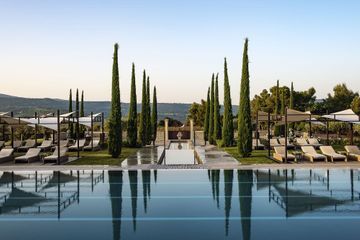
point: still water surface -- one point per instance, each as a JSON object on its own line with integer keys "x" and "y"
{"x": 181, "y": 204}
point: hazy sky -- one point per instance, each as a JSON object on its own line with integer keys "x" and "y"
{"x": 47, "y": 47}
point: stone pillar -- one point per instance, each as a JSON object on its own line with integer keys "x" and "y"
{"x": 166, "y": 130}
{"x": 192, "y": 137}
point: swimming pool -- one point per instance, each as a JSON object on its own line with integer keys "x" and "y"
{"x": 181, "y": 204}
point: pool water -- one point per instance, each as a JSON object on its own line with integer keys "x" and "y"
{"x": 179, "y": 152}
{"x": 181, "y": 204}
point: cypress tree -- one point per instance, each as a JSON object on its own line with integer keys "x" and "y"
{"x": 77, "y": 128}
{"x": 71, "y": 126}
{"x": 292, "y": 102}
{"x": 142, "y": 130}
{"x": 82, "y": 112}
{"x": 154, "y": 117}
{"x": 282, "y": 127}
{"x": 292, "y": 96}
{"x": 132, "y": 118}
{"x": 228, "y": 128}
{"x": 148, "y": 112}
{"x": 276, "y": 111}
{"x": 207, "y": 117}
{"x": 115, "y": 131}
{"x": 244, "y": 115}
{"x": 283, "y": 101}
{"x": 77, "y": 101}
{"x": 217, "y": 120}
{"x": 211, "y": 117}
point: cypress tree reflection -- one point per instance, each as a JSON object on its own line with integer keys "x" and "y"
{"x": 245, "y": 179}
{"x": 146, "y": 176}
{"x": 133, "y": 177}
{"x": 115, "y": 189}
{"x": 155, "y": 176}
{"x": 228, "y": 180}
{"x": 215, "y": 185}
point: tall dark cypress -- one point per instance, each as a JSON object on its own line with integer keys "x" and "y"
{"x": 217, "y": 120}
{"x": 71, "y": 126}
{"x": 143, "y": 121}
{"x": 211, "y": 117}
{"x": 244, "y": 115}
{"x": 132, "y": 118}
{"x": 115, "y": 131}
{"x": 277, "y": 130}
{"x": 77, "y": 107}
{"x": 292, "y": 96}
{"x": 82, "y": 110}
{"x": 154, "y": 117}
{"x": 148, "y": 112}
{"x": 207, "y": 117}
{"x": 228, "y": 127}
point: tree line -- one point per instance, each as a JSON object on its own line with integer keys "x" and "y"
{"x": 220, "y": 129}
{"x": 141, "y": 132}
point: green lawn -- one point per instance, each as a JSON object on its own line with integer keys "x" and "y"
{"x": 257, "y": 156}
{"x": 101, "y": 157}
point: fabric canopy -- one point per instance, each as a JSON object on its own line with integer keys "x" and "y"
{"x": 314, "y": 120}
{"x": 50, "y": 122}
{"x": 294, "y": 116}
{"x": 347, "y": 115}
{"x": 87, "y": 120}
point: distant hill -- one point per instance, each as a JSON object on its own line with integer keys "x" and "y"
{"x": 28, "y": 106}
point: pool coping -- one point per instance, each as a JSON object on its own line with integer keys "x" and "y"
{"x": 337, "y": 165}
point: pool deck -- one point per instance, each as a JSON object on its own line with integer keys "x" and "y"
{"x": 147, "y": 159}
{"x": 33, "y": 167}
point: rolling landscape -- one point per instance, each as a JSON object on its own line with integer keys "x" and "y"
{"x": 27, "y": 106}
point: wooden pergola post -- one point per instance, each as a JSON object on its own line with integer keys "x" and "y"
{"x": 92, "y": 131}
{"x": 77, "y": 134}
{"x": 12, "y": 131}
{"x": 269, "y": 135}
{"x": 351, "y": 133}
{"x": 58, "y": 137}
{"x": 36, "y": 128}
{"x": 286, "y": 133}
{"x": 257, "y": 130}
{"x": 102, "y": 129}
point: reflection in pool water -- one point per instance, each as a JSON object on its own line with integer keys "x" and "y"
{"x": 179, "y": 204}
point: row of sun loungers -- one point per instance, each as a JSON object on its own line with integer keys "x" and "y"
{"x": 47, "y": 145}
{"x": 327, "y": 154}
{"x": 300, "y": 142}
{"x": 33, "y": 154}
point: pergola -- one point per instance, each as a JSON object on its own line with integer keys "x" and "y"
{"x": 52, "y": 122}
{"x": 291, "y": 116}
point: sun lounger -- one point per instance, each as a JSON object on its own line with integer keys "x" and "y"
{"x": 259, "y": 145}
{"x": 279, "y": 155}
{"x": 45, "y": 145}
{"x": 330, "y": 153}
{"x": 54, "y": 156}
{"x": 274, "y": 143}
{"x": 31, "y": 155}
{"x": 6, "y": 154}
{"x": 314, "y": 142}
{"x": 16, "y": 145}
{"x": 96, "y": 145}
{"x": 289, "y": 145}
{"x": 302, "y": 142}
{"x": 30, "y": 143}
{"x": 75, "y": 146}
{"x": 311, "y": 154}
{"x": 353, "y": 152}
